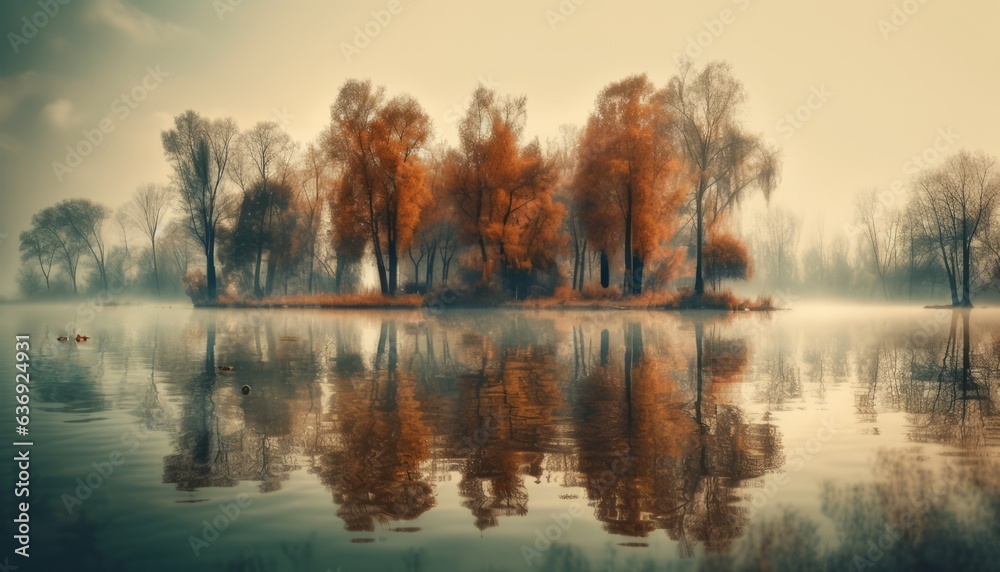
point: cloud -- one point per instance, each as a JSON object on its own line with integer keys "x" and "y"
{"x": 137, "y": 25}
{"x": 14, "y": 90}
{"x": 59, "y": 113}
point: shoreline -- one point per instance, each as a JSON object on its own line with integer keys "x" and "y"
{"x": 536, "y": 306}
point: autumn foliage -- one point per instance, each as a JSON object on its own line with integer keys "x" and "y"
{"x": 626, "y": 179}
{"x": 502, "y": 192}
{"x": 604, "y": 211}
{"x": 726, "y": 258}
{"x": 383, "y": 188}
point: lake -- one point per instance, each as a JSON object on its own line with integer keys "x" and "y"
{"x": 818, "y": 438}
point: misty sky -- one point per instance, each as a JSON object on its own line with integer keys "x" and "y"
{"x": 881, "y": 92}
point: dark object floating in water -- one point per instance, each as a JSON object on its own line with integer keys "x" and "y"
{"x": 406, "y": 529}
{"x": 245, "y": 389}
{"x": 362, "y": 540}
{"x": 62, "y": 339}
{"x": 80, "y": 338}
{"x": 634, "y": 544}
{"x": 226, "y": 368}
{"x": 191, "y": 500}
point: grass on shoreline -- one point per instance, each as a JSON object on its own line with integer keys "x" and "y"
{"x": 684, "y": 299}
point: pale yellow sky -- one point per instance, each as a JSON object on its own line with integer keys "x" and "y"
{"x": 879, "y": 93}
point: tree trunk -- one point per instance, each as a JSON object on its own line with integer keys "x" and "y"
{"x": 393, "y": 265}
{"x": 213, "y": 293}
{"x": 627, "y": 288}
{"x": 156, "y": 272}
{"x": 339, "y": 278}
{"x": 966, "y": 267}
{"x": 312, "y": 260}
{"x": 637, "y": 272}
{"x": 445, "y": 267}
{"x": 949, "y": 270}
{"x": 485, "y": 257}
{"x": 699, "y": 277}
{"x": 272, "y": 265}
{"x": 429, "y": 274}
{"x": 605, "y": 270}
{"x": 383, "y": 280}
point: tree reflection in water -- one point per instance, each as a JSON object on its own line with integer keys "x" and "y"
{"x": 645, "y": 416}
{"x": 375, "y": 467}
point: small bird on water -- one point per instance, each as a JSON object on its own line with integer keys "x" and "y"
{"x": 62, "y": 339}
{"x": 226, "y": 368}
{"x": 80, "y": 338}
{"x": 245, "y": 389}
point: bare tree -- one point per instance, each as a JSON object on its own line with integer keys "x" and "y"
{"x": 36, "y": 246}
{"x": 84, "y": 221}
{"x": 778, "y": 233}
{"x": 957, "y": 202}
{"x": 726, "y": 161}
{"x": 881, "y": 228}
{"x": 317, "y": 179}
{"x": 54, "y": 235}
{"x": 145, "y": 212}
{"x": 200, "y": 151}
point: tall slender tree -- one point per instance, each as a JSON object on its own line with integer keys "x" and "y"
{"x": 726, "y": 162}
{"x": 146, "y": 212}
{"x": 36, "y": 246}
{"x": 379, "y": 145}
{"x": 84, "y": 221}
{"x": 626, "y": 178}
{"x": 200, "y": 151}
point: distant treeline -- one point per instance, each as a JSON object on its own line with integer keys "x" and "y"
{"x": 643, "y": 198}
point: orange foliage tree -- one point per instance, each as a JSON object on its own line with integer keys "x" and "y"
{"x": 502, "y": 192}
{"x": 437, "y": 234}
{"x": 626, "y": 175}
{"x": 378, "y": 144}
{"x": 726, "y": 258}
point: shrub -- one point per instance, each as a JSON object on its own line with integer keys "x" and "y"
{"x": 196, "y": 286}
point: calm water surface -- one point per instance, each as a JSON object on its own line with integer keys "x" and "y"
{"x": 514, "y": 440}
